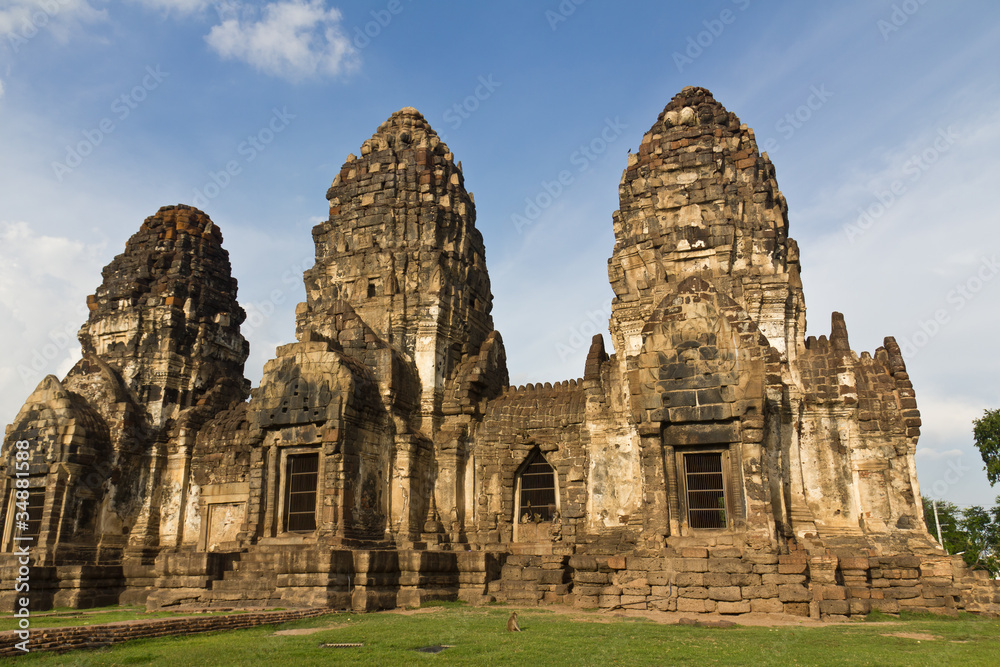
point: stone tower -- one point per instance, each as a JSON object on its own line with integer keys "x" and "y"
{"x": 401, "y": 248}
{"x": 108, "y": 445}
{"x": 166, "y": 316}
{"x": 698, "y": 199}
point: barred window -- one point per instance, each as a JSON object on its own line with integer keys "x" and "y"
{"x": 537, "y": 483}
{"x": 706, "y": 490}
{"x": 301, "y": 477}
{"x": 35, "y": 506}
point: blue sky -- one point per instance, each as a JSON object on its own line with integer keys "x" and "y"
{"x": 882, "y": 120}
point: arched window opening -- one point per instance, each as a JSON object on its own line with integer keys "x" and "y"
{"x": 536, "y": 490}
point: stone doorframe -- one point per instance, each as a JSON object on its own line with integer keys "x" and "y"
{"x": 677, "y": 500}
{"x": 276, "y": 487}
{"x": 517, "y": 492}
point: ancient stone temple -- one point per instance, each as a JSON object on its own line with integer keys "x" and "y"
{"x": 718, "y": 460}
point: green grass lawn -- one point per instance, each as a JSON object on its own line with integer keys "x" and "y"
{"x": 478, "y": 637}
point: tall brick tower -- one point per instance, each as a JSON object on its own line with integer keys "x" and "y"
{"x": 166, "y": 316}
{"x": 698, "y": 199}
{"x": 401, "y": 248}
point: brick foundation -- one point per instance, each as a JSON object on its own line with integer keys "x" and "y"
{"x": 60, "y": 640}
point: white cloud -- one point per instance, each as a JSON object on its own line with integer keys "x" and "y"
{"x": 44, "y": 281}
{"x": 935, "y": 455}
{"x": 948, "y": 418}
{"x": 179, "y": 6}
{"x": 294, "y": 39}
{"x": 21, "y": 20}
{"x": 42, "y": 266}
{"x": 1, "y": 87}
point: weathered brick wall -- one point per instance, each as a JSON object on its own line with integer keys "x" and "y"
{"x": 549, "y": 417}
{"x": 60, "y": 640}
{"x": 479, "y": 378}
{"x": 736, "y": 580}
{"x": 863, "y": 409}
{"x": 313, "y": 395}
{"x": 66, "y": 459}
{"x": 221, "y": 454}
{"x": 529, "y": 580}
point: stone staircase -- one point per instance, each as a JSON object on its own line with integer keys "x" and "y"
{"x": 251, "y": 580}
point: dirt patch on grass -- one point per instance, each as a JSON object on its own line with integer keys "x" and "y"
{"x": 919, "y": 636}
{"x": 310, "y": 631}
{"x": 674, "y": 617}
{"x": 411, "y": 612}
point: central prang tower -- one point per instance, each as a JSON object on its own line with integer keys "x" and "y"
{"x": 401, "y": 248}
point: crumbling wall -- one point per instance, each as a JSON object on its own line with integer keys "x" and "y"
{"x": 64, "y": 442}
{"x": 858, "y": 429}
{"x": 314, "y": 399}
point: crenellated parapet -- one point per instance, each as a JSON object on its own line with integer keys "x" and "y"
{"x": 858, "y": 425}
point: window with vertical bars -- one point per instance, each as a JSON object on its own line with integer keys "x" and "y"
{"x": 706, "y": 490}
{"x": 538, "y": 489}
{"x": 35, "y": 507}
{"x": 301, "y": 477}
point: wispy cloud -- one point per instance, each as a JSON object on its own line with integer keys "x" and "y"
{"x": 935, "y": 455}
{"x": 21, "y": 20}
{"x": 909, "y": 217}
{"x": 43, "y": 283}
{"x": 178, "y": 6}
{"x": 295, "y": 39}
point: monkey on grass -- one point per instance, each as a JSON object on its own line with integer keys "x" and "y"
{"x": 512, "y": 623}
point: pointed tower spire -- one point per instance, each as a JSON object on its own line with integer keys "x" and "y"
{"x": 402, "y": 250}
{"x": 698, "y": 198}
{"x": 166, "y": 315}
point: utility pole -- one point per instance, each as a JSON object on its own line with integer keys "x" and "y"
{"x": 937, "y": 522}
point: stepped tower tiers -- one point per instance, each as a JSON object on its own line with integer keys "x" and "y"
{"x": 166, "y": 316}
{"x": 699, "y": 199}
{"x": 708, "y": 324}
{"x": 401, "y": 248}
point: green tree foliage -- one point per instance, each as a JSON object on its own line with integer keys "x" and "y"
{"x": 949, "y": 515}
{"x": 982, "y": 529}
{"x": 973, "y": 532}
{"x": 986, "y": 431}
